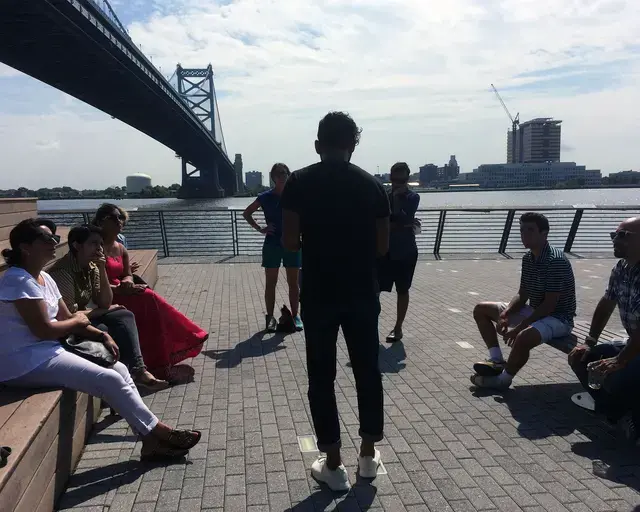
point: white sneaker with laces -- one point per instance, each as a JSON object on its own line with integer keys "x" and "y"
{"x": 336, "y": 480}
{"x": 368, "y": 466}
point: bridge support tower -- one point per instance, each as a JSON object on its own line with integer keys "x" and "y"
{"x": 195, "y": 86}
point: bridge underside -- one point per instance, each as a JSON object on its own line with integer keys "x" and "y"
{"x": 53, "y": 41}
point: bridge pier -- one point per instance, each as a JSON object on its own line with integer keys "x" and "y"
{"x": 199, "y": 183}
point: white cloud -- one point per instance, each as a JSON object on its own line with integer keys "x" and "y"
{"x": 415, "y": 75}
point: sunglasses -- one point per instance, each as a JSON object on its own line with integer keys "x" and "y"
{"x": 622, "y": 234}
{"x": 50, "y": 239}
{"x": 115, "y": 217}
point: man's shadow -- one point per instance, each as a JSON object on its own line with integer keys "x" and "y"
{"x": 546, "y": 410}
{"x": 256, "y": 346}
{"x": 359, "y": 498}
{"x": 390, "y": 358}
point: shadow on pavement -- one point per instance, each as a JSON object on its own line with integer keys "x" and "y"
{"x": 358, "y": 499}
{"x": 85, "y": 485}
{"x": 546, "y": 410}
{"x": 256, "y": 346}
{"x": 391, "y": 358}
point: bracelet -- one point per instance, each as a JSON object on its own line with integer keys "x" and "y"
{"x": 102, "y": 337}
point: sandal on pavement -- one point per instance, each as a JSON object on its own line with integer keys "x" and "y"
{"x": 184, "y": 439}
{"x": 152, "y": 384}
{"x": 394, "y": 336}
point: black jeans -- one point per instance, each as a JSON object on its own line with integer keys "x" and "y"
{"x": 359, "y": 322}
{"x": 620, "y": 390}
{"x": 121, "y": 326}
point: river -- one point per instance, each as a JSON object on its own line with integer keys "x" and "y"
{"x": 476, "y": 199}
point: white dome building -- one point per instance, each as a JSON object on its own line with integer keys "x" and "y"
{"x": 136, "y": 183}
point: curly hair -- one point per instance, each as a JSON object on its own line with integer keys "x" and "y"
{"x": 338, "y": 130}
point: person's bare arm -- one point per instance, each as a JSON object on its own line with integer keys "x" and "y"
{"x": 102, "y": 292}
{"x": 290, "y": 230}
{"x": 601, "y": 317}
{"x": 248, "y": 216}
{"x": 127, "y": 275}
{"x": 34, "y": 314}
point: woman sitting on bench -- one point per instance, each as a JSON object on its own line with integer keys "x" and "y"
{"x": 33, "y": 317}
{"x": 166, "y": 335}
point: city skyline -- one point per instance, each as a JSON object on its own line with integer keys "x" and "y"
{"x": 425, "y": 89}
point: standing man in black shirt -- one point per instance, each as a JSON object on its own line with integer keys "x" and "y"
{"x": 341, "y": 214}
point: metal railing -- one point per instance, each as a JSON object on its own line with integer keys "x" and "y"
{"x": 224, "y": 232}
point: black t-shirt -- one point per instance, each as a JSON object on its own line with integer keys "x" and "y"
{"x": 338, "y": 204}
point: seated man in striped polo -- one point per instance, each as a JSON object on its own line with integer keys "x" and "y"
{"x": 548, "y": 286}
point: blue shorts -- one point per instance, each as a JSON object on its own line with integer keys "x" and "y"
{"x": 273, "y": 256}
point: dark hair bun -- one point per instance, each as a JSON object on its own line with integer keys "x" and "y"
{"x": 9, "y": 256}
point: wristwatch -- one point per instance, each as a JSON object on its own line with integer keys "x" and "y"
{"x": 590, "y": 340}
{"x": 102, "y": 337}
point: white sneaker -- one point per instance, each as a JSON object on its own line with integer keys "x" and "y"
{"x": 336, "y": 480}
{"x": 368, "y": 466}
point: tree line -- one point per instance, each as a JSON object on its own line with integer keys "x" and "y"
{"x": 157, "y": 191}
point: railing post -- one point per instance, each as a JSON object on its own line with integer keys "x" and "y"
{"x": 506, "y": 232}
{"x": 163, "y": 234}
{"x": 234, "y": 232}
{"x": 574, "y": 229}
{"x": 438, "y": 240}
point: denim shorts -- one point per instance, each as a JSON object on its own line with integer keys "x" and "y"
{"x": 549, "y": 327}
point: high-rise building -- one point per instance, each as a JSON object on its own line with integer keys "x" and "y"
{"x": 537, "y": 141}
{"x": 253, "y": 180}
{"x": 237, "y": 167}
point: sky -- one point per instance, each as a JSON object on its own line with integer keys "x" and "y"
{"x": 414, "y": 74}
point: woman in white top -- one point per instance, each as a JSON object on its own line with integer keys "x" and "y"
{"x": 33, "y": 317}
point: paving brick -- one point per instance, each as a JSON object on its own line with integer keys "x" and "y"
{"x": 446, "y": 447}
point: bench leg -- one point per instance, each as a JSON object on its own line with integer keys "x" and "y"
{"x": 584, "y": 400}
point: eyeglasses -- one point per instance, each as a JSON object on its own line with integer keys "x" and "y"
{"x": 621, "y": 234}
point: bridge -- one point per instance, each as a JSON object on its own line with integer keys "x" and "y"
{"x": 81, "y": 48}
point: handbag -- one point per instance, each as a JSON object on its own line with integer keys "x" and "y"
{"x": 93, "y": 351}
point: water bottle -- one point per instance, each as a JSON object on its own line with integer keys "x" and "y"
{"x": 595, "y": 377}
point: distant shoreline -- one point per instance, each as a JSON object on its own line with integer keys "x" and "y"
{"x": 422, "y": 190}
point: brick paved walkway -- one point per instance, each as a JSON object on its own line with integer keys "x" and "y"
{"x": 447, "y": 447}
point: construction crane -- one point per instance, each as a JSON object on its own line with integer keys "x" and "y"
{"x": 515, "y": 122}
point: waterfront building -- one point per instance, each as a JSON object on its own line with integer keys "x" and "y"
{"x": 546, "y": 175}
{"x": 537, "y": 141}
{"x": 623, "y": 178}
{"x": 431, "y": 173}
{"x": 253, "y": 180}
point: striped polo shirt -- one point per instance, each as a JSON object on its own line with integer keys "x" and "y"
{"x": 550, "y": 273}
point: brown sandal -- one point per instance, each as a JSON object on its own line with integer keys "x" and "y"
{"x": 184, "y": 439}
{"x": 161, "y": 451}
{"x": 152, "y": 385}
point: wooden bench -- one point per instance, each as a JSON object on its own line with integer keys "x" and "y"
{"x": 47, "y": 429}
{"x": 148, "y": 260}
{"x": 579, "y": 333}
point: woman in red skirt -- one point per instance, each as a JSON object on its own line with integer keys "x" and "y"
{"x": 166, "y": 335}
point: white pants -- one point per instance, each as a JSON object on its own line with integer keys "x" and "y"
{"x": 112, "y": 384}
